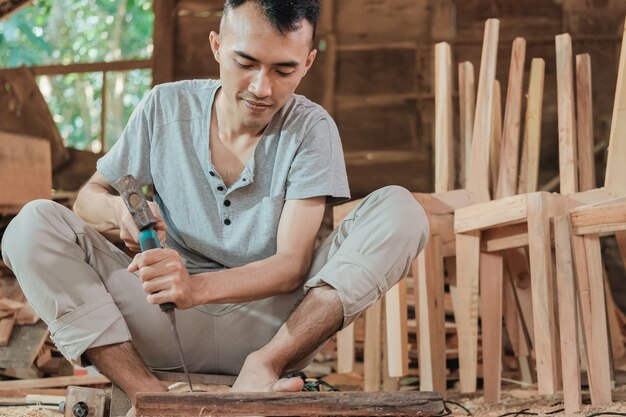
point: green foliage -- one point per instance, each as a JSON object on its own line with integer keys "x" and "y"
{"x": 72, "y": 31}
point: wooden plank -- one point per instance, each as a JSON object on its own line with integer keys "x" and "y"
{"x": 372, "y": 349}
{"x": 618, "y": 350}
{"x": 59, "y": 381}
{"x": 444, "y": 148}
{"x": 615, "y": 167}
{"x": 568, "y": 316}
{"x": 509, "y": 154}
{"x": 25, "y": 171}
{"x": 529, "y": 171}
{"x": 477, "y": 181}
{"x": 163, "y": 39}
{"x": 24, "y": 111}
{"x": 7, "y": 323}
{"x": 491, "y": 275}
{"x": 566, "y": 117}
{"x": 584, "y": 118}
{"x": 397, "y": 333}
{"x": 412, "y": 403}
{"x": 26, "y": 342}
{"x": 467, "y": 103}
{"x": 468, "y": 255}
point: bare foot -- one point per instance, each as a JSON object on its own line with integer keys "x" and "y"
{"x": 258, "y": 376}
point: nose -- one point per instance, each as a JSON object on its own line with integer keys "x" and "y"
{"x": 261, "y": 85}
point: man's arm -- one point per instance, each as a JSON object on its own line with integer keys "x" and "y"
{"x": 166, "y": 279}
{"x": 100, "y": 207}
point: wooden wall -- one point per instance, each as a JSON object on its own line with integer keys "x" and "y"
{"x": 374, "y": 69}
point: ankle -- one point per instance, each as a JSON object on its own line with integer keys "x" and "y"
{"x": 268, "y": 359}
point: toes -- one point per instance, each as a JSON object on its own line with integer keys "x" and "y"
{"x": 294, "y": 384}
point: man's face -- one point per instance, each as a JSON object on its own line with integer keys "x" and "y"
{"x": 260, "y": 68}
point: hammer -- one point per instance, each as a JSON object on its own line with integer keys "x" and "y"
{"x": 130, "y": 191}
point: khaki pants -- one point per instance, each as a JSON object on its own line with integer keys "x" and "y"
{"x": 77, "y": 282}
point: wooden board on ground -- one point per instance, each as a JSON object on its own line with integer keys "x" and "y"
{"x": 413, "y": 403}
{"x": 24, "y": 345}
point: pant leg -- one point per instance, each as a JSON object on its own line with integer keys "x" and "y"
{"x": 371, "y": 250}
{"x": 78, "y": 283}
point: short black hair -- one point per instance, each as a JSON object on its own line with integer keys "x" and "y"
{"x": 285, "y": 15}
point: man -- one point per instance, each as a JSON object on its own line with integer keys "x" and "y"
{"x": 242, "y": 169}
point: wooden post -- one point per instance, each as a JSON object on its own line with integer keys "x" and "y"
{"x": 163, "y": 39}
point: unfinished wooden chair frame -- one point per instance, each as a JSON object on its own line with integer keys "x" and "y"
{"x": 525, "y": 220}
{"x": 440, "y": 207}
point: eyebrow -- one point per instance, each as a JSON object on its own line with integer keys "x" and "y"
{"x": 292, "y": 64}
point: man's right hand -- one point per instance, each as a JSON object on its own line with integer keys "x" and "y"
{"x": 129, "y": 233}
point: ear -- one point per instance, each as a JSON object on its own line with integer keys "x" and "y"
{"x": 309, "y": 60}
{"x": 214, "y": 40}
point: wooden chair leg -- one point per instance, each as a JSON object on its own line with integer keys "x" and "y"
{"x": 491, "y": 275}
{"x": 372, "y": 349}
{"x": 588, "y": 263}
{"x": 397, "y": 332}
{"x": 539, "y": 243}
{"x": 568, "y": 317}
{"x": 345, "y": 350}
{"x": 431, "y": 316}
{"x": 468, "y": 255}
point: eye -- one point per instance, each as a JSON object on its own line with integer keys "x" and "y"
{"x": 242, "y": 65}
{"x": 284, "y": 74}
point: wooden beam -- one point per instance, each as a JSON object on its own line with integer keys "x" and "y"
{"x": 81, "y": 68}
{"x": 491, "y": 213}
{"x": 414, "y": 403}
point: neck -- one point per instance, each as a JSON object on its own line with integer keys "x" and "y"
{"x": 228, "y": 124}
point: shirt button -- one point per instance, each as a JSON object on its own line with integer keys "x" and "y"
{"x": 227, "y": 203}
{"x": 243, "y": 179}
{"x": 220, "y": 188}
{"x": 227, "y": 222}
{"x": 211, "y": 173}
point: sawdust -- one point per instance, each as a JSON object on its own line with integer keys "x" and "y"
{"x": 28, "y": 412}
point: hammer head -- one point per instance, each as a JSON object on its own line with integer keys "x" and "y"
{"x": 130, "y": 191}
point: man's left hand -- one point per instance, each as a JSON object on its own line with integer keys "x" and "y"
{"x": 165, "y": 277}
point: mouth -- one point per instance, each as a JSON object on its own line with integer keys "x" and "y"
{"x": 256, "y": 107}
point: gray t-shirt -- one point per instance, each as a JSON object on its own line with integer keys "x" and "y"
{"x": 166, "y": 143}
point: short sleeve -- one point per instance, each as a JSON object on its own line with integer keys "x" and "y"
{"x": 318, "y": 168}
{"x": 131, "y": 153}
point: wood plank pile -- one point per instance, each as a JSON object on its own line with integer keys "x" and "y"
{"x": 492, "y": 240}
{"x": 26, "y": 350}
